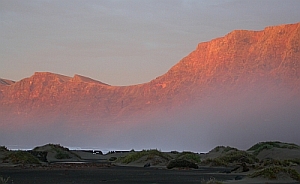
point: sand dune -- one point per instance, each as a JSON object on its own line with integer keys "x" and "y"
{"x": 265, "y": 162}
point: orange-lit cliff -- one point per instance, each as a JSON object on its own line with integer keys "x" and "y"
{"x": 267, "y": 59}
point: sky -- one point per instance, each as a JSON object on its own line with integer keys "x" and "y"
{"x": 121, "y": 42}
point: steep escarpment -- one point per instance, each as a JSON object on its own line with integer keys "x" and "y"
{"x": 268, "y": 59}
{"x": 242, "y": 56}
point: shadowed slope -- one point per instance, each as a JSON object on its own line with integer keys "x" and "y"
{"x": 6, "y": 82}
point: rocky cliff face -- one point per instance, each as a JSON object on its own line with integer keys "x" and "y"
{"x": 242, "y": 55}
{"x": 269, "y": 59}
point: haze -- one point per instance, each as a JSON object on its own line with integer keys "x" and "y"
{"x": 130, "y": 42}
{"x": 222, "y": 119}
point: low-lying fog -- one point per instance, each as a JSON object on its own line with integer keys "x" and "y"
{"x": 238, "y": 120}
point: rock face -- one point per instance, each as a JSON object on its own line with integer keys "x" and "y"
{"x": 229, "y": 65}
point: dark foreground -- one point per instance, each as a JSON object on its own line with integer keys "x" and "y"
{"x": 112, "y": 174}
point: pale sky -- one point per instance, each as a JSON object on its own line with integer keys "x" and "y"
{"x": 121, "y": 42}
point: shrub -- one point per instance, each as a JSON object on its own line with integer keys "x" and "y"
{"x": 179, "y": 163}
{"x": 41, "y": 155}
{"x": 137, "y": 155}
{"x": 295, "y": 160}
{"x": 193, "y": 157}
{"x": 290, "y": 146}
{"x": 215, "y": 162}
{"x": 272, "y": 172}
{"x": 231, "y": 157}
{"x": 3, "y": 148}
{"x": 62, "y": 152}
{"x": 112, "y": 159}
{"x": 274, "y": 162}
{"x": 133, "y": 157}
{"x": 228, "y": 148}
{"x": 58, "y": 147}
{"x": 263, "y": 147}
{"x": 257, "y": 148}
{"x": 21, "y": 157}
{"x": 270, "y": 162}
{"x": 225, "y": 149}
{"x": 260, "y": 144}
{"x": 217, "y": 149}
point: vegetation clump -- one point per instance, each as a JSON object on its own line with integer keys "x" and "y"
{"x": 257, "y": 148}
{"x": 228, "y": 148}
{"x": 284, "y": 163}
{"x": 59, "y": 147}
{"x": 21, "y": 157}
{"x": 295, "y": 161}
{"x": 3, "y": 148}
{"x": 137, "y": 155}
{"x": 181, "y": 163}
{"x": 272, "y": 173}
{"x": 224, "y": 149}
{"x": 190, "y": 156}
{"x": 232, "y": 157}
{"x": 111, "y": 159}
{"x": 41, "y": 155}
{"x": 61, "y": 152}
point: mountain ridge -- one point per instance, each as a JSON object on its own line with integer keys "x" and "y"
{"x": 238, "y": 57}
{"x": 242, "y": 67}
{"x": 228, "y": 37}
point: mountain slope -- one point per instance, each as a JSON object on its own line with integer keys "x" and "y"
{"x": 6, "y": 82}
{"x": 273, "y": 52}
{"x": 241, "y": 57}
{"x": 241, "y": 67}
